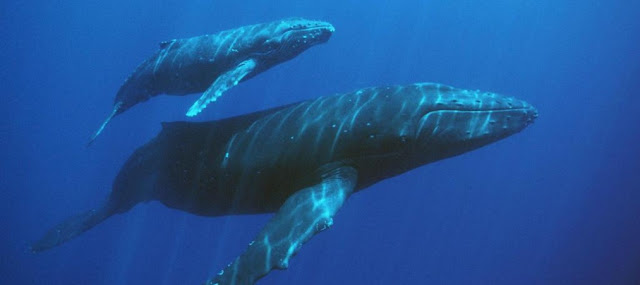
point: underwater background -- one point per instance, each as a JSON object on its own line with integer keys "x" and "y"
{"x": 558, "y": 203}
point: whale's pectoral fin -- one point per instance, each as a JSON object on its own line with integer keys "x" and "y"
{"x": 304, "y": 214}
{"x": 223, "y": 83}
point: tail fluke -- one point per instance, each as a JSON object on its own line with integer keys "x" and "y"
{"x": 116, "y": 108}
{"x": 71, "y": 228}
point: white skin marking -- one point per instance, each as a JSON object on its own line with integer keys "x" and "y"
{"x": 473, "y": 123}
{"x": 310, "y": 122}
{"x": 437, "y": 124}
{"x": 185, "y": 47}
{"x": 402, "y": 107}
{"x": 251, "y": 30}
{"x": 304, "y": 114}
{"x": 492, "y": 103}
{"x": 225, "y": 160}
{"x": 162, "y": 56}
{"x": 419, "y": 106}
{"x": 220, "y": 38}
{"x": 375, "y": 95}
{"x": 225, "y": 36}
{"x": 340, "y": 98}
{"x": 485, "y": 125}
{"x": 316, "y": 144}
{"x": 236, "y": 37}
{"x": 398, "y": 90}
{"x": 357, "y": 112}
{"x": 302, "y": 129}
{"x": 424, "y": 119}
{"x": 215, "y": 39}
{"x": 286, "y": 117}
{"x": 257, "y": 133}
{"x": 252, "y": 125}
{"x": 268, "y": 253}
{"x": 439, "y": 97}
{"x": 336, "y": 137}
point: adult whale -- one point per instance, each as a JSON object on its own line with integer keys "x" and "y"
{"x": 301, "y": 161}
{"x": 214, "y": 63}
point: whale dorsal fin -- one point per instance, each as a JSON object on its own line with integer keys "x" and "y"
{"x": 165, "y": 44}
{"x": 304, "y": 214}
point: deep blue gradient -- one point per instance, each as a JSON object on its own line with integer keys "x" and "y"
{"x": 557, "y": 204}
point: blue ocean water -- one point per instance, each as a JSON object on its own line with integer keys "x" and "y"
{"x": 558, "y": 203}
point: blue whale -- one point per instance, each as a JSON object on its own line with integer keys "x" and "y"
{"x": 300, "y": 161}
{"x": 212, "y": 64}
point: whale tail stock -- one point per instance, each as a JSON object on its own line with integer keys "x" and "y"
{"x": 116, "y": 109}
{"x": 72, "y": 227}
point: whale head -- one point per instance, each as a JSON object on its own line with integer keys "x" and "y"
{"x": 453, "y": 121}
{"x": 287, "y": 38}
{"x": 421, "y": 123}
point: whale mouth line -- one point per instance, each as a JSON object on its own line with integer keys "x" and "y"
{"x": 327, "y": 27}
{"x": 528, "y": 113}
{"x": 510, "y": 118}
{"x": 523, "y": 109}
{"x": 305, "y": 36}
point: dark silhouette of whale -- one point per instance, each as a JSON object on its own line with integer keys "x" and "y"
{"x": 301, "y": 161}
{"x": 214, "y": 63}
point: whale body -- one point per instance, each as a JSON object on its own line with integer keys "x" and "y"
{"x": 214, "y": 63}
{"x": 300, "y": 161}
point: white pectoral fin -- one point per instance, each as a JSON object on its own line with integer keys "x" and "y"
{"x": 223, "y": 83}
{"x": 304, "y": 214}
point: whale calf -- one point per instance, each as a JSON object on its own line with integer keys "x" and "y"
{"x": 214, "y": 63}
{"x": 300, "y": 161}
